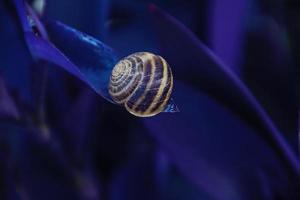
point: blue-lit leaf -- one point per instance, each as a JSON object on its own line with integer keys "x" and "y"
{"x": 7, "y": 186}
{"x": 43, "y": 49}
{"x": 221, "y": 154}
{"x": 8, "y": 107}
{"x": 89, "y": 17}
{"x": 42, "y": 170}
{"x": 93, "y": 58}
{"x": 15, "y": 71}
{"x": 268, "y": 70}
{"x": 137, "y": 180}
{"x": 80, "y": 54}
{"x": 150, "y": 176}
{"x": 227, "y": 30}
{"x": 128, "y": 29}
{"x": 21, "y": 11}
{"x": 76, "y": 135}
{"x": 193, "y": 63}
{"x": 28, "y": 19}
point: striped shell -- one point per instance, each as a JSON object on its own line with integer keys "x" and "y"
{"x": 142, "y": 82}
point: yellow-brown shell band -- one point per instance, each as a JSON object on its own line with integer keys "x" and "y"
{"x": 125, "y": 78}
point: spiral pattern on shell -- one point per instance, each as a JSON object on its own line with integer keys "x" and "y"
{"x": 142, "y": 82}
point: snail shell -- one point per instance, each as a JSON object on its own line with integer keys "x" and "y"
{"x": 143, "y": 83}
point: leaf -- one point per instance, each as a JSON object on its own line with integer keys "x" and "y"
{"x": 96, "y": 59}
{"x": 137, "y": 180}
{"x": 29, "y": 20}
{"x": 227, "y": 30}
{"x": 93, "y": 58}
{"x": 76, "y": 135}
{"x": 80, "y": 54}
{"x": 150, "y": 176}
{"x": 220, "y": 153}
{"x": 12, "y": 47}
{"x": 268, "y": 70}
{"x": 43, "y": 49}
{"x": 42, "y": 170}
{"x": 193, "y": 63}
{"x": 128, "y": 29}
{"x": 8, "y": 107}
{"x": 89, "y": 17}
{"x": 8, "y": 188}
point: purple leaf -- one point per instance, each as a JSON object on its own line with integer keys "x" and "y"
{"x": 96, "y": 59}
{"x": 150, "y": 176}
{"x": 21, "y": 11}
{"x": 29, "y": 20}
{"x": 227, "y": 28}
{"x": 42, "y": 170}
{"x": 93, "y": 58}
{"x": 15, "y": 71}
{"x": 89, "y": 17}
{"x": 193, "y": 63}
{"x": 268, "y": 70}
{"x": 77, "y": 134}
{"x": 7, "y": 184}
{"x": 128, "y": 29}
{"x": 8, "y": 107}
{"x": 79, "y": 54}
{"x": 137, "y": 180}
{"x": 220, "y": 153}
{"x": 43, "y": 49}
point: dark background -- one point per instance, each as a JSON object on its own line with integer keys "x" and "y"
{"x": 79, "y": 146}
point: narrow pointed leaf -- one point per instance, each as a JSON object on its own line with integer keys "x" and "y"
{"x": 76, "y": 135}
{"x": 42, "y": 170}
{"x": 137, "y": 180}
{"x": 16, "y": 71}
{"x": 43, "y": 49}
{"x": 193, "y": 63}
{"x": 268, "y": 70}
{"x": 93, "y": 58}
{"x": 220, "y": 153}
{"x": 96, "y": 59}
{"x": 227, "y": 30}
{"x": 89, "y": 17}
{"x": 8, "y": 107}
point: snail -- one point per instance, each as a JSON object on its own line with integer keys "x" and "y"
{"x": 142, "y": 82}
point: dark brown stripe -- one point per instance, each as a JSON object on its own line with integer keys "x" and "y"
{"x": 124, "y": 77}
{"x": 137, "y": 78}
{"x": 120, "y": 75}
{"x": 126, "y": 94}
{"x": 116, "y": 83}
{"x": 163, "y": 97}
{"x": 120, "y": 85}
{"x": 142, "y": 86}
{"x": 144, "y": 105}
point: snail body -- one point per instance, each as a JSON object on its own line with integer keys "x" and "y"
{"x": 142, "y": 82}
